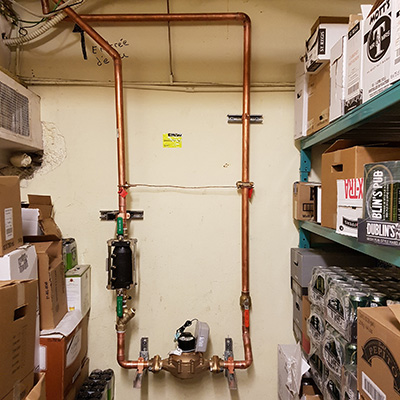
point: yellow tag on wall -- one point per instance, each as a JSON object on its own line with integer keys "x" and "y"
{"x": 172, "y": 140}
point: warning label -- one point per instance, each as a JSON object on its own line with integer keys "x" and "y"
{"x": 172, "y": 140}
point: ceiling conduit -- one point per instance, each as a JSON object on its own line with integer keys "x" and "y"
{"x": 215, "y": 364}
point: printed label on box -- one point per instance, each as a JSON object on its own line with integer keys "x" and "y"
{"x": 8, "y": 220}
{"x": 73, "y": 348}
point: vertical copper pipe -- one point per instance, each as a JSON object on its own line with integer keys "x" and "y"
{"x": 45, "y": 6}
{"x": 245, "y": 142}
{"x": 119, "y": 103}
{"x": 121, "y": 355}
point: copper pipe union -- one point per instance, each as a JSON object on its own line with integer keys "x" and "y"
{"x": 215, "y": 365}
{"x": 156, "y": 364}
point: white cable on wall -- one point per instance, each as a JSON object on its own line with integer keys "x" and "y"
{"x": 38, "y": 32}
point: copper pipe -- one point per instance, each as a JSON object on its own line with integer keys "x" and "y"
{"x": 121, "y": 355}
{"x": 166, "y": 17}
{"x": 45, "y": 6}
{"x": 241, "y": 17}
{"x": 119, "y": 103}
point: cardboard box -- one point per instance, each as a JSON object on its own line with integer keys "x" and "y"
{"x": 19, "y": 264}
{"x": 302, "y": 262}
{"x": 395, "y": 45}
{"x": 38, "y": 392}
{"x": 338, "y": 72}
{"x": 52, "y": 291}
{"x": 354, "y": 60}
{"x": 63, "y": 353}
{"x": 10, "y": 214}
{"x": 304, "y": 200}
{"x": 318, "y": 100}
{"x": 18, "y": 300}
{"x": 378, "y": 356}
{"x": 349, "y": 205}
{"x": 78, "y": 284}
{"x": 300, "y": 101}
{"x": 376, "y": 49}
{"x": 79, "y": 381}
{"x": 291, "y": 368}
{"x": 344, "y": 160}
{"x": 46, "y": 224}
{"x": 325, "y": 32}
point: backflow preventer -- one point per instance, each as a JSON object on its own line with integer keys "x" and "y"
{"x": 187, "y": 360}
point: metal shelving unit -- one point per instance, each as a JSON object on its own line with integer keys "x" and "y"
{"x": 384, "y": 253}
{"x": 377, "y": 120}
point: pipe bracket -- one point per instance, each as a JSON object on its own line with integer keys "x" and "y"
{"x": 244, "y": 185}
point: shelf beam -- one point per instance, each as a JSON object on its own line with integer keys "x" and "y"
{"x": 385, "y": 253}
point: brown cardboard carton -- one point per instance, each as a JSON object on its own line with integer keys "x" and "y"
{"x": 378, "y": 355}
{"x": 52, "y": 290}
{"x": 10, "y": 214}
{"x": 18, "y": 301}
{"x": 344, "y": 160}
{"x": 318, "y": 100}
{"x": 64, "y": 353}
{"x": 304, "y": 200}
{"x": 80, "y": 380}
{"x": 45, "y": 219}
{"x": 38, "y": 392}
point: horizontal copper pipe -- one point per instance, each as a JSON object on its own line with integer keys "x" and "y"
{"x": 207, "y": 17}
{"x": 121, "y": 355}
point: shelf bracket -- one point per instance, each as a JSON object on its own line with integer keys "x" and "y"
{"x": 305, "y": 164}
{"x": 304, "y": 239}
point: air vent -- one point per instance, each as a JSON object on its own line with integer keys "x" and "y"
{"x": 14, "y": 111}
{"x": 20, "y": 125}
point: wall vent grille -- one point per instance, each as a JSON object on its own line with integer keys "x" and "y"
{"x": 14, "y": 111}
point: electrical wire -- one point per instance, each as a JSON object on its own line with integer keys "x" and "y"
{"x": 40, "y": 31}
{"x": 133, "y": 185}
{"x": 56, "y": 9}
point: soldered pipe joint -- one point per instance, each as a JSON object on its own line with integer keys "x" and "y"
{"x": 245, "y": 301}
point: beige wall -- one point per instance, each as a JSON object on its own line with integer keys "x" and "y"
{"x": 188, "y": 242}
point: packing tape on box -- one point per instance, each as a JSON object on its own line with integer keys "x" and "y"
{"x": 20, "y": 294}
{"x": 17, "y": 390}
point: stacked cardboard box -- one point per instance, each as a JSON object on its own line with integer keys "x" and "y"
{"x": 18, "y": 305}
{"x": 345, "y": 160}
{"x": 64, "y": 352}
{"x": 378, "y": 357}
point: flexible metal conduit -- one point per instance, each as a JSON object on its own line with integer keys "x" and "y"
{"x": 82, "y": 21}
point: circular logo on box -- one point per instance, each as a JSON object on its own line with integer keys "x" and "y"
{"x": 379, "y": 39}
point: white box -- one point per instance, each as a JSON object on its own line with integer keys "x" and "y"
{"x": 395, "y": 45}
{"x": 30, "y": 222}
{"x": 324, "y": 34}
{"x": 353, "y": 77}
{"x": 300, "y": 101}
{"x": 376, "y": 51}
{"x": 349, "y": 205}
{"x": 78, "y": 284}
{"x": 337, "y": 71}
{"x": 19, "y": 264}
